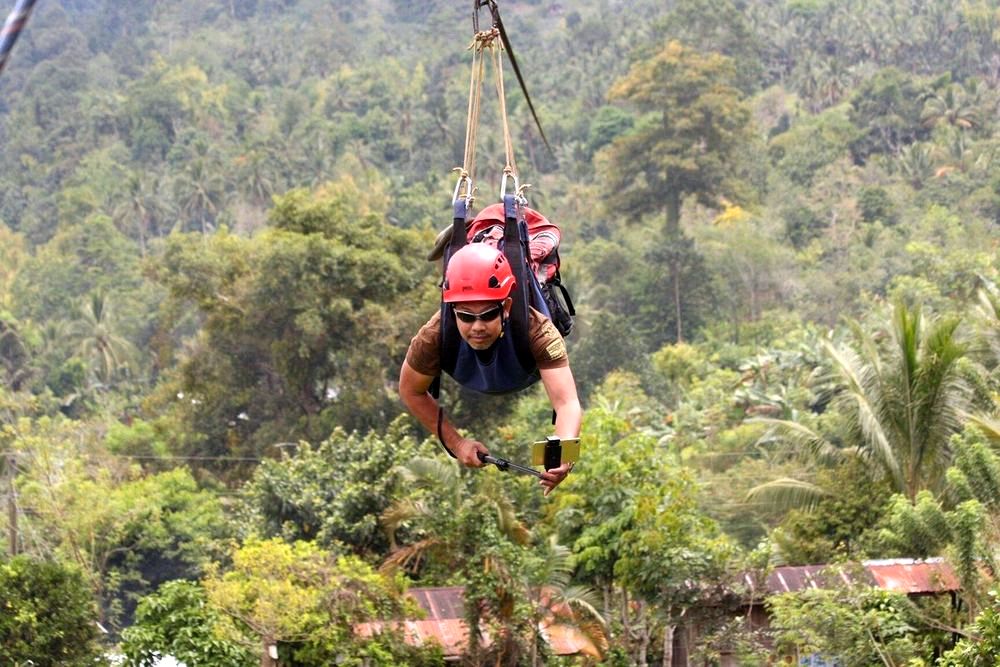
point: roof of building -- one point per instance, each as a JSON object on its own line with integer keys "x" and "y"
{"x": 444, "y": 607}
{"x": 445, "y": 624}
{"x": 911, "y": 577}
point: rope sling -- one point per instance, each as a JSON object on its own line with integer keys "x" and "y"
{"x": 486, "y": 41}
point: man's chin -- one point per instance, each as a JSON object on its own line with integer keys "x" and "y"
{"x": 479, "y": 345}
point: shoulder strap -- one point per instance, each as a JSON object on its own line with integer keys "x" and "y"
{"x": 449, "y": 332}
{"x": 515, "y": 241}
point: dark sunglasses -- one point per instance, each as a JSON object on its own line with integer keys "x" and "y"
{"x": 485, "y": 316}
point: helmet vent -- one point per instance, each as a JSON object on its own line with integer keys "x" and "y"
{"x": 494, "y": 283}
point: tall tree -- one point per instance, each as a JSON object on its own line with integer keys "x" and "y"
{"x": 694, "y": 125}
{"x": 688, "y": 141}
{"x": 287, "y": 314}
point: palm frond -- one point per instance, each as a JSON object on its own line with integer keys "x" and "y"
{"x": 409, "y": 557}
{"x": 869, "y": 349}
{"x": 559, "y": 564}
{"x": 578, "y": 599}
{"x": 787, "y": 493}
{"x": 424, "y": 472}
{"x": 989, "y": 427}
{"x": 801, "y": 438}
{"x": 862, "y": 390}
{"x": 398, "y": 513}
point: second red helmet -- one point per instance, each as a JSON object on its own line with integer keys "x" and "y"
{"x": 478, "y": 272}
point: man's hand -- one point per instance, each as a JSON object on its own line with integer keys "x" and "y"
{"x": 551, "y": 478}
{"x": 467, "y": 451}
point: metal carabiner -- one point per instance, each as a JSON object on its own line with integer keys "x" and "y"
{"x": 469, "y": 188}
{"x": 503, "y": 184}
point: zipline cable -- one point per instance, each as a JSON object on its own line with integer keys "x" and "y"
{"x": 12, "y": 28}
{"x": 520, "y": 79}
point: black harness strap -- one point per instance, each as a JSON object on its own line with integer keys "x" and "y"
{"x": 515, "y": 240}
{"x": 450, "y": 338}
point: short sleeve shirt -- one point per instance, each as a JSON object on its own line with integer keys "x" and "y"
{"x": 547, "y": 346}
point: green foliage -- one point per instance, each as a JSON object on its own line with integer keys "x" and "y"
{"x": 126, "y": 533}
{"x": 810, "y": 145}
{"x": 309, "y": 603}
{"x": 857, "y": 626}
{"x": 835, "y": 529}
{"x": 597, "y": 502}
{"x": 334, "y": 493}
{"x": 91, "y": 256}
{"x": 301, "y": 323}
{"x": 607, "y": 125}
{"x": 48, "y": 616}
{"x": 887, "y": 109}
{"x": 876, "y": 205}
{"x": 671, "y": 551}
{"x": 981, "y": 644}
{"x": 178, "y": 621}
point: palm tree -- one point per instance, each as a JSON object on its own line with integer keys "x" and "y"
{"x": 432, "y": 511}
{"x": 97, "y": 340}
{"x": 956, "y": 107}
{"x": 428, "y": 477}
{"x": 915, "y": 164}
{"x": 902, "y": 394}
{"x": 988, "y": 315}
{"x": 141, "y": 208}
{"x": 15, "y": 359}
{"x": 200, "y": 188}
{"x": 256, "y": 178}
{"x": 561, "y": 606}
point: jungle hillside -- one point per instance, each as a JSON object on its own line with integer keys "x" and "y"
{"x": 780, "y": 228}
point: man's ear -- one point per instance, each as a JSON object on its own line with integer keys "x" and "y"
{"x": 507, "y": 303}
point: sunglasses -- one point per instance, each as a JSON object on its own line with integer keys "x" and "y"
{"x": 485, "y": 316}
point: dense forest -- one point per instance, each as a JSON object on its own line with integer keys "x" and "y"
{"x": 781, "y": 224}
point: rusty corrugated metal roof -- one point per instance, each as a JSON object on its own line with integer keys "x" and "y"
{"x": 912, "y": 577}
{"x": 445, "y": 610}
{"x": 445, "y": 624}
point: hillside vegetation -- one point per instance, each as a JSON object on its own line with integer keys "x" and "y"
{"x": 780, "y": 222}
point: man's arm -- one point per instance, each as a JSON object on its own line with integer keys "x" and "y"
{"x": 413, "y": 387}
{"x": 561, "y": 389}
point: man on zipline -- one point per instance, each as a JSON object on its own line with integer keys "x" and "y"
{"x": 478, "y": 291}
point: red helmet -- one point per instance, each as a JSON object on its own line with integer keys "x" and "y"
{"x": 478, "y": 272}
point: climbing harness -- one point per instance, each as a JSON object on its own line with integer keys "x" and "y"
{"x": 512, "y": 366}
{"x": 489, "y": 44}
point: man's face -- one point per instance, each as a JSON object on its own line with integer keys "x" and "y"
{"x": 486, "y": 321}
